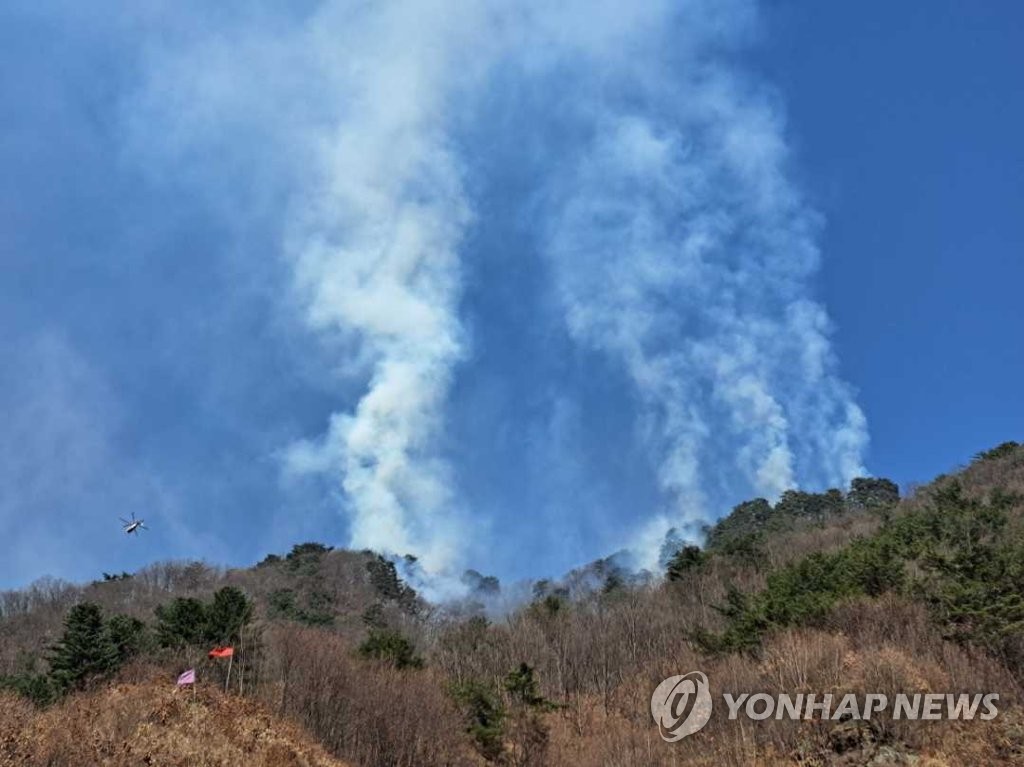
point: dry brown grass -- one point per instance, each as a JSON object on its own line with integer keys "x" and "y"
{"x": 879, "y": 646}
{"x": 367, "y": 712}
{"x": 151, "y": 723}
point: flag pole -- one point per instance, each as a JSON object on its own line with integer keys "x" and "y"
{"x": 227, "y": 681}
{"x": 241, "y": 648}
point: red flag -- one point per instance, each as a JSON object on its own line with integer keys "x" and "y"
{"x": 221, "y": 652}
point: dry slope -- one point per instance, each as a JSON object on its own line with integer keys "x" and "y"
{"x": 149, "y": 723}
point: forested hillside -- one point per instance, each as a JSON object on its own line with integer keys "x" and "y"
{"x": 854, "y": 589}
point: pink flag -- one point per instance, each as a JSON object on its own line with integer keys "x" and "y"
{"x": 189, "y": 677}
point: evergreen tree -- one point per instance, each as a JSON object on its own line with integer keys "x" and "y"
{"x": 128, "y": 635}
{"x": 229, "y": 612}
{"x": 384, "y": 577}
{"x": 181, "y": 622}
{"x": 813, "y": 506}
{"x": 748, "y": 518}
{"x": 873, "y": 493}
{"x": 390, "y": 646}
{"x": 687, "y": 558}
{"x": 85, "y": 650}
{"x": 305, "y": 558}
{"x": 485, "y": 717}
{"x": 522, "y": 686}
{"x": 525, "y": 730}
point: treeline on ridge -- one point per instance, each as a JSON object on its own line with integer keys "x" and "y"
{"x": 836, "y": 591}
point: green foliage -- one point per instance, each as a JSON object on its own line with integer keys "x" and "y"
{"x": 304, "y": 558}
{"x": 89, "y": 648}
{"x": 319, "y": 610}
{"x": 746, "y": 550}
{"x": 282, "y": 604}
{"x": 526, "y": 732}
{"x": 746, "y": 624}
{"x": 227, "y": 614}
{"x": 999, "y": 451}
{"x": 301, "y": 550}
{"x": 973, "y": 582}
{"x": 873, "y": 493}
{"x": 485, "y": 717}
{"x": 749, "y": 517}
{"x": 541, "y": 588}
{"x": 29, "y": 682}
{"x": 38, "y": 688}
{"x": 384, "y": 578}
{"x": 129, "y": 635}
{"x": 391, "y": 647}
{"x": 552, "y": 605}
{"x": 613, "y": 584}
{"x": 974, "y": 572}
{"x": 85, "y": 650}
{"x": 481, "y": 585}
{"x": 739, "y": 533}
{"x": 978, "y": 596}
{"x": 686, "y": 559}
{"x": 187, "y": 621}
{"x": 373, "y": 616}
{"x": 501, "y": 734}
{"x": 181, "y": 622}
{"x": 817, "y": 507}
{"x": 550, "y": 595}
{"x": 522, "y": 687}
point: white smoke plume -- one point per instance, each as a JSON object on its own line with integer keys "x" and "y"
{"x": 375, "y": 246}
{"x": 674, "y": 238}
{"x": 681, "y": 248}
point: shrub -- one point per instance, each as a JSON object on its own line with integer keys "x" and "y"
{"x": 391, "y": 647}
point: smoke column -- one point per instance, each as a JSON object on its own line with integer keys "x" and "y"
{"x": 680, "y": 248}
{"x": 672, "y": 237}
{"x": 375, "y": 247}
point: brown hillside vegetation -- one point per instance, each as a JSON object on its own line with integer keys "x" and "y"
{"x": 151, "y": 723}
{"x": 826, "y": 593}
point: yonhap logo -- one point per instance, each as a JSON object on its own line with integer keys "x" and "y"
{"x": 681, "y": 705}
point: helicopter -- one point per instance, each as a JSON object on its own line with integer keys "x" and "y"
{"x": 133, "y": 525}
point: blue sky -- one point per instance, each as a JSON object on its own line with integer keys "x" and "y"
{"x": 906, "y": 118}
{"x": 512, "y": 290}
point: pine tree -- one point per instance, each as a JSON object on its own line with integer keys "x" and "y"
{"x": 390, "y": 646}
{"x": 128, "y": 634}
{"x": 686, "y": 559}
{"x": 181, "y": 622}
{"x": 485, "y": 718}
{"x": 873, "y": 493}
{"x": 85, "y": 650}
{"x": 522, "y": 686}
{"x": 229, "y": 612}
